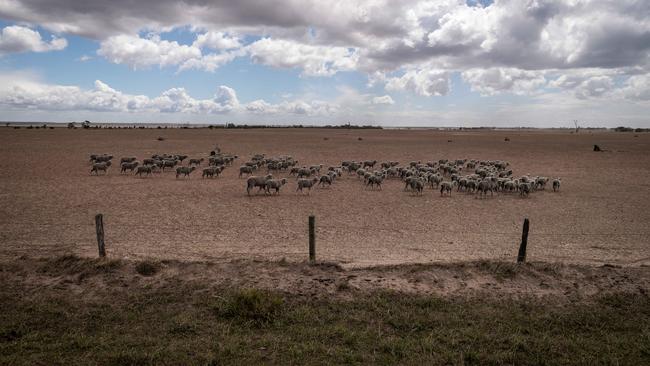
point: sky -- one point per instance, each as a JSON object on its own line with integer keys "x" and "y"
{"x": 509, "y": 63}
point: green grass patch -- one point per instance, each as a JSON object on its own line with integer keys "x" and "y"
{"x": 192, "y": 323}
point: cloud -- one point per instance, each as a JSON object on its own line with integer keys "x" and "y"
{"x": 217, "y": 41}
{"x": 500, "y": 80}
{"x": 507, "y": 46}
{"x": 386, "y": 99}
{"x": 138, "y": 52}
{"x": 425, "y": 82}
{"x": 21, "y": 91}
{"x": 313, "y": 60}
{"x": 636, "y": 88}
{"x": 18, "y": 39}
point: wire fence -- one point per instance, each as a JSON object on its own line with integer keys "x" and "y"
{"x": 335, "y": 240}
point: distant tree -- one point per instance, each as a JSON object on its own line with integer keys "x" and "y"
{"x": 85, "y": 124}
{"x": 72, "y": 125}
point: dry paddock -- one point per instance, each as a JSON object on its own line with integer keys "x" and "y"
{"x": 49, "y": 199}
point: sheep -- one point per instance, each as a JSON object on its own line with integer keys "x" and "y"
{"x": 212, "y": 171}
{"x": 180, "y": 157}
{"x": 306, "y": 183}
{"x": 304, "y": 172}
{"x": 196, "y": 161}
{"x": 149, "y": 161}
{"x": 254, "y": 181}
{"x": 556, "y": 184}
{"x": 369, "y": 163}
{"x": 128, "y": 159}
{"x": 416, "y": 185}
{"x": 143, "y": 169}
{"x": 101, "y": 158}
{"x": 316, "y": 168}
{"x": 435, "y": 179}
{"x": 103, "y": 166}
{"x": 325, "y": 179}
{"x": 509, "y": 186}
{"x": 128, "y": 166}
{"x": 274, "y": 184}
{"x": 447, "y": 187}
{"x": 185, "y": 170}
{"x": 540, "y": 182}
{"x": 471, "y": 185}
{"x": 167, "y": 163}
{"x": 245, "y": 169}
{"x": 375, "y": 180}
{"x": 484, "y": 186}
{"x": 524, "y": 188}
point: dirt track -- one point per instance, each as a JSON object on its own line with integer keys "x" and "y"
{"x": 49, "y": 199}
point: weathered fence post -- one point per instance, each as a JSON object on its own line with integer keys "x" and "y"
{"x": 312, "y": 238}
{"x": 521, "y": 258}
{"x": 99, "y": 228}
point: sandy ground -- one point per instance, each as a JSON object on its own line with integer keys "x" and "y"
{"x": 49, "y": 199}
{"x": 482, "y": 279}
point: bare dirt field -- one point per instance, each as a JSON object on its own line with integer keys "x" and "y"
{"x": 49, "y": 199}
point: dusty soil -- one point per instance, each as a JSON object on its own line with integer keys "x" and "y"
{"x": 482, "y": 279}
{"x": 49, "y": 199}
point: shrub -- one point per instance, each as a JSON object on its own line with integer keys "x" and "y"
{"x": 147, "y": 268}
{"x": 257, "y": 306}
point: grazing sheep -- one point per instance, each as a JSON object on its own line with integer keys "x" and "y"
{"x": 484, "y": 186}
{"x": 97, "y": 167}
{"x": 143, "y": 169}
{"x": 325, "y": 179}
{"x": 274, "y": 184}
{"x": 128, "y": 166}
{"x": 167, "y": 163}
{"x": 540, "y": 182}
{"x": 369, "y": 163}
{"x": 185, "y": 170}
{"x": 210, "y": 172}
{"x": 196, "y": 161}
{"x": 245, "y": 169}
{"x": 316, "y": 168}
{"x": 155, "y": 169}
{"x": 446, "y": 187}
{"x": 375, "y": 180}
{"x": 416, "y": 185}
{"x": 435, "y": 179}
{"x": 128, "y": 159}
{"x": 259, "y": 182}
{"x": 556, "y": 184}
{"x": 304, "y": 172}
{"x": 180, "y": 157}
{"x": 525, "y": 188}
{"x": 102, "y": 158}
{"x": 306, "y": 183}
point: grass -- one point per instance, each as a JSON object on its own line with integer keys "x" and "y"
{"x": 192, "y": 323}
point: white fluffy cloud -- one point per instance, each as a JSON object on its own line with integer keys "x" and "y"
{"x": 24, "y": 93}
{"x": 217, "y": 41}
{"x": 425, "y": 82}
{"x": 16, "y": 39}
{"x": 313, "y": 60}
{"x": 385, "y": 99}
{"x": 589, "y": 49}
{"x": 499, "y": 80}
{"x": 138, "y": 52}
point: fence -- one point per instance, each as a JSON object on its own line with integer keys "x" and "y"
{"x": 328, "y": 238}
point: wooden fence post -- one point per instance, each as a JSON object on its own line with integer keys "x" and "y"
{"x": 99, "y": 228}
{"x": 521, "y": 258}
{"x": 312, "y": 238}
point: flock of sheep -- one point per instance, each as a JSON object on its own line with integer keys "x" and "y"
{"x": 479, "y": 177}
